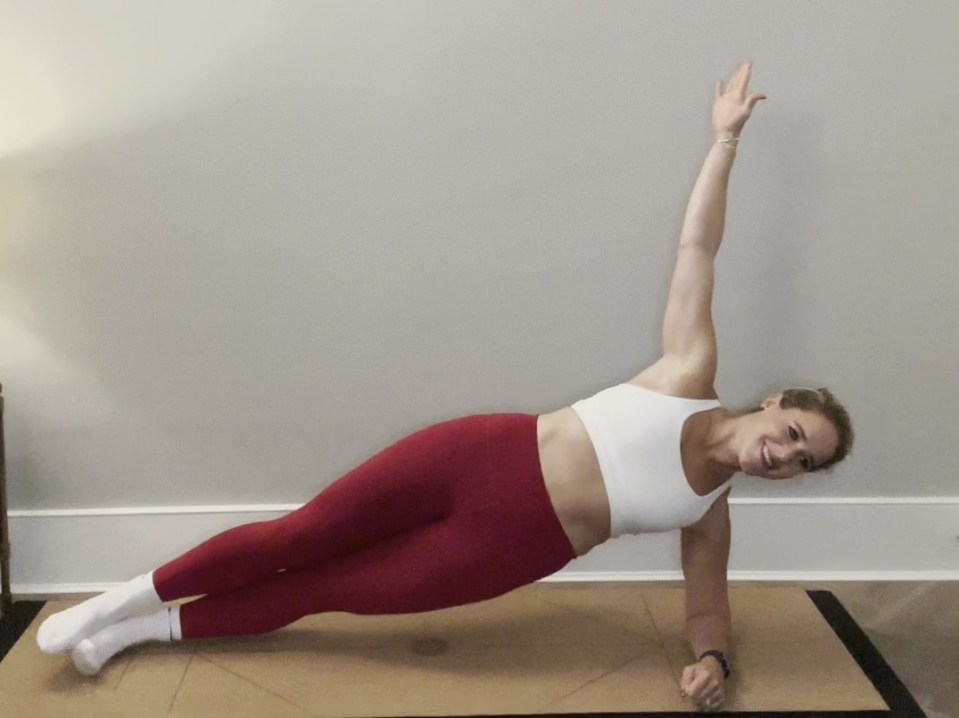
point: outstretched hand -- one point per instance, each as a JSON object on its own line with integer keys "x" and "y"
{"x": 732, "y": 107}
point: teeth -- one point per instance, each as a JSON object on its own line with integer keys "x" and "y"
{"x": 769, "y": 463}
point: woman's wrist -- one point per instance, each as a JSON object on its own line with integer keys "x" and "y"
{"x": 720, "y": 659}
{"x": 727, "y": 140}
{"x": 725, "y": 135}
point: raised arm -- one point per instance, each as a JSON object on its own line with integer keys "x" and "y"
{"x": 688, "y": 335}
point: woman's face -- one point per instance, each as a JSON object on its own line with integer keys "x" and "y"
{"x": 784, "y": 443}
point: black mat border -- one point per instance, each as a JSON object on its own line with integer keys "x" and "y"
{"x": 884, "y": 679}
{"x": 15, "y": 623}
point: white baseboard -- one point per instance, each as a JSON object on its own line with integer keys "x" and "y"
{"x": 81, "y": 551}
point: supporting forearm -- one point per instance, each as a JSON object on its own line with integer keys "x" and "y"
{"x": 706, "y": 213}
{"x": 709, "y": 631}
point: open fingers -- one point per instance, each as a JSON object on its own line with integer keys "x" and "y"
{"x": 742, "y": 76}
{"x": 738, "y": 81}
{"x": 753, "y": 99}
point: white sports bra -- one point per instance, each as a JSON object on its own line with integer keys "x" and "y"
{"x": 636, "y": 434}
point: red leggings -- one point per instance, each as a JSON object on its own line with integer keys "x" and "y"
{"x": 455, "y": 513}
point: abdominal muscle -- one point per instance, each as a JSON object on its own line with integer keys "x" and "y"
{"x": 573, "y": 478}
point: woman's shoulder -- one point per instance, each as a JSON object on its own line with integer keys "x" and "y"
{"x": 682, "y": 378}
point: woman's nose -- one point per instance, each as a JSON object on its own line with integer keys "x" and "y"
{"x": 787, "y": 454}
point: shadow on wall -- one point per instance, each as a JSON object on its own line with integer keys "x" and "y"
{"x": 66, "y": 74}
{"x": 70, "y": 75}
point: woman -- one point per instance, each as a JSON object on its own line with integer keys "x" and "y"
{"x": 474, "y": 507}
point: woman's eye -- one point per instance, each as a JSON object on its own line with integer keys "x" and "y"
{"x": 793, "y": 433}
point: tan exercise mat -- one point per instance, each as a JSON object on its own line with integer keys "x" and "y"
{"x": 547, "y": 648}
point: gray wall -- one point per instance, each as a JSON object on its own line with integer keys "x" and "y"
{"x": 244, "y": 246}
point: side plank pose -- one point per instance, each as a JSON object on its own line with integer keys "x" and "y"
{"x": 472, "y": 508}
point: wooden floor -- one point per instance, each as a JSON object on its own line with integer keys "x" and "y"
{"x": 915, "y": 626}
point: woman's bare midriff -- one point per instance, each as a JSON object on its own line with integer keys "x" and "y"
{"x": 573, "y": 478}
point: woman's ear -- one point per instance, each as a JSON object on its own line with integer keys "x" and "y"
{"x": 772, "y": 400}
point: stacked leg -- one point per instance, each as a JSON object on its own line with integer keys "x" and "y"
{"x": 498, "y": 532}
{"x": 453, "y": 514}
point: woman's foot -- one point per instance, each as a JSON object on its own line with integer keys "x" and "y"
{"x": 91, "y": 654}
{"x": 64, "y": 630}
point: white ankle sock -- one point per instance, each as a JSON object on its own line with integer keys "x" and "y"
{"x": 92, "y": 653}
{"x": 64, "y": 630}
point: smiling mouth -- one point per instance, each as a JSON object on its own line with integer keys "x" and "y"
{"x": 767, "y": 459}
